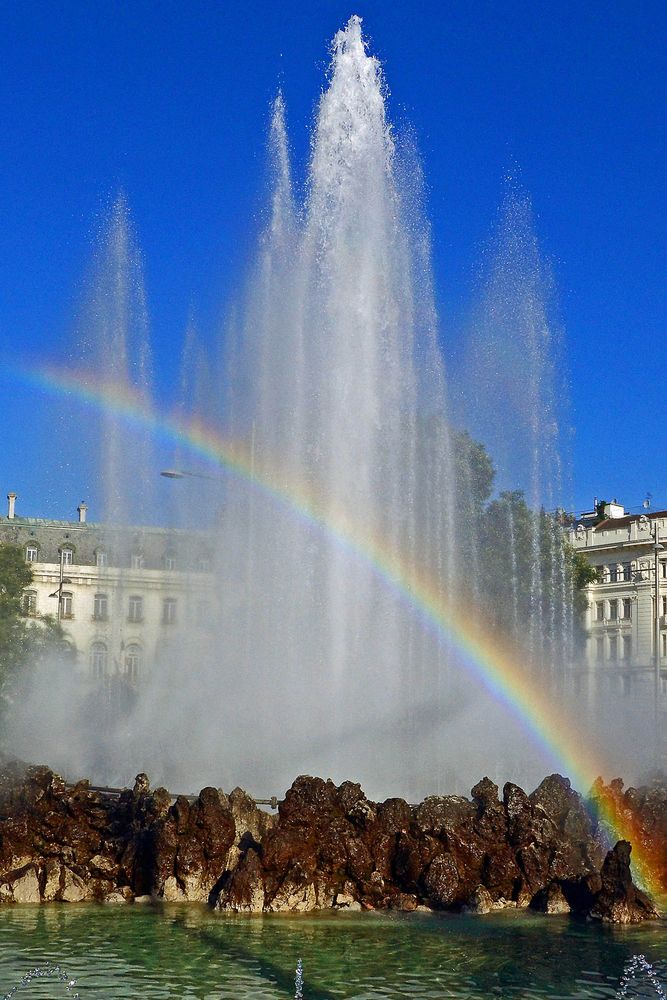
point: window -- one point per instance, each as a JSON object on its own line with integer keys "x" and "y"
{"x": 101, "y": 558}
{"x": 132, "y": 661}
{"x": 137, "y": 560}
{"x": 627, "y": 607}
{"x": 169, "y": 611}
{"x": 663, "y": 684}
{"x": 613, "y": 574}
{"x": 170, "y": 561}
{"x": 613, "y": 647}
{"x": 66, "y": 556}
{"x": 626, "y": 571}
{"x": 663, "y": 568}
{"x": 613, "y": 610}
{"x": 203, "y": 612}
{"x": 627, "y": 647}
{"x": 599, "y": 648}
{"x": 663, "y": 606}
{"x": 203, "y": 564}
{"x": 29, "y": 602}
{"x": 663, "y": 643}
{"x": 136, "y": 609}
{"x": 66, "y": 605}
{"x": 101, "y": 607}
{"x": 31, "y": 553}
{"x": 98, "y": 659}
{"x": 599, "y": 611}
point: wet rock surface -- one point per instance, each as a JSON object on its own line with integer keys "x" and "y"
{"x": 328, "y": 847}
{"x": 644, "y": 811}
{"x": 61, "y": 843}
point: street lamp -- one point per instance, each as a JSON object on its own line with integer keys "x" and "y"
{"x": 186, "y": 474}
{"x": 62, "y": 581}
{"x": 657, "y": 548}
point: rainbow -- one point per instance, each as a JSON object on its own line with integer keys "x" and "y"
{"x": 499, "y": 664}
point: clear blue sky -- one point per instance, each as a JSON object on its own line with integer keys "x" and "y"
{"x": 170, "y": 102}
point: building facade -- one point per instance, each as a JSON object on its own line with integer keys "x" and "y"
{"x": 626, "y": 607}
{"x": 122, "y": 595}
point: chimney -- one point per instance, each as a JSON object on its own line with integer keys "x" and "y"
{"x": 11, "y": 504}
{"x": 82, "y": 509}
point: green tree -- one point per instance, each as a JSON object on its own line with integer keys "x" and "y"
{"x": 532, "y": 580}
{"x": 474, "y": 472}
{"x": 581, "y": 574}
{"x": 23, "y": 644}
{"x": 15, "y": 576}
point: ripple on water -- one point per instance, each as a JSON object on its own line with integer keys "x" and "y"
{"x": 172, "y": 953}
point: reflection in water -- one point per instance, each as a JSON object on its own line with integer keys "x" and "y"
{"x": 174, "y": 953}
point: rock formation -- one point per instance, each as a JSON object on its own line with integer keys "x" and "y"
{"x": 328, "y": 847}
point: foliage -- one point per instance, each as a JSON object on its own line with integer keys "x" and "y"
{"x": 516, "y": 559}
{"x": 15, "y": 576}
{"x": 474, "y": 473}
{"x": 23, "y": 644}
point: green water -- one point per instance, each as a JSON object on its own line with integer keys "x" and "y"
{"x": 190, "y": 953}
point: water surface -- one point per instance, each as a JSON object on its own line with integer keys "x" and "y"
{"x": 194, "y": 954}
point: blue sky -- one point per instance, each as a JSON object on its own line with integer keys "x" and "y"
{"x": 170, "y": 102}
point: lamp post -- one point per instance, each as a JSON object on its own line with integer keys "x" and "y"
{"x": 657, "y": 548}
{"x": 186, "y": 474}
{"x": 656, "y": 650}
{"x": 63, "y": 580}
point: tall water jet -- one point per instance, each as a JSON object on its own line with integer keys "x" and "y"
{"x": 113, "y": 343}
{"x": 318, "y": 653}
{"x": 513, "y": 356}
{"x": 328, "y": 389}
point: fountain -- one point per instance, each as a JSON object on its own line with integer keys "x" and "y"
{"x": 334, "y": 390}
{"x": 348, "y": 495}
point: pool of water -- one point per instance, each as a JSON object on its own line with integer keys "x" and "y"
{"x": 190, "y": 953}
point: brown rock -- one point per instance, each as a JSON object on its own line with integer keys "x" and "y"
{"x": 619, "y": 901}
{"x": 551, "y": 900}
{"x": 442, "y": 881}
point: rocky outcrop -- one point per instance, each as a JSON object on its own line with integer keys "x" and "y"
{"x": 328, "y": 847}
{"x": 72, "y": 844}
{"x": 619, "y": 901}
{"x": 643, "y": 811}
{"x": 333, "y": 847}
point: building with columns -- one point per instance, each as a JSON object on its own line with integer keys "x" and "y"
{"x": 626, "y": 608}
{"x": 122, "y": 594}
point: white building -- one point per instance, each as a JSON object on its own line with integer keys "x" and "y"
{"x": 121, "y": 594}
{"x": 626, "y": 613}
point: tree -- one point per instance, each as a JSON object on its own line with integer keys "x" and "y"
{"x": 23, "y": 644}
{"x": 474, "y": 472}
{"x": 15, "y": 576}
{"x": 582, "y": 573}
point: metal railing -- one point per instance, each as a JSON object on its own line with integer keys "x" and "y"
{"x": 114, "y": 793}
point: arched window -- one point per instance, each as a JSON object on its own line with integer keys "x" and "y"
{"x": 101, "y": 558}
{"x": 66, "y": 556}
{"x": 29, "y": 602}
{"x": 98, "y": 659}
{"x": 132, "y": 661}
{"x": 31, "y": 552}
